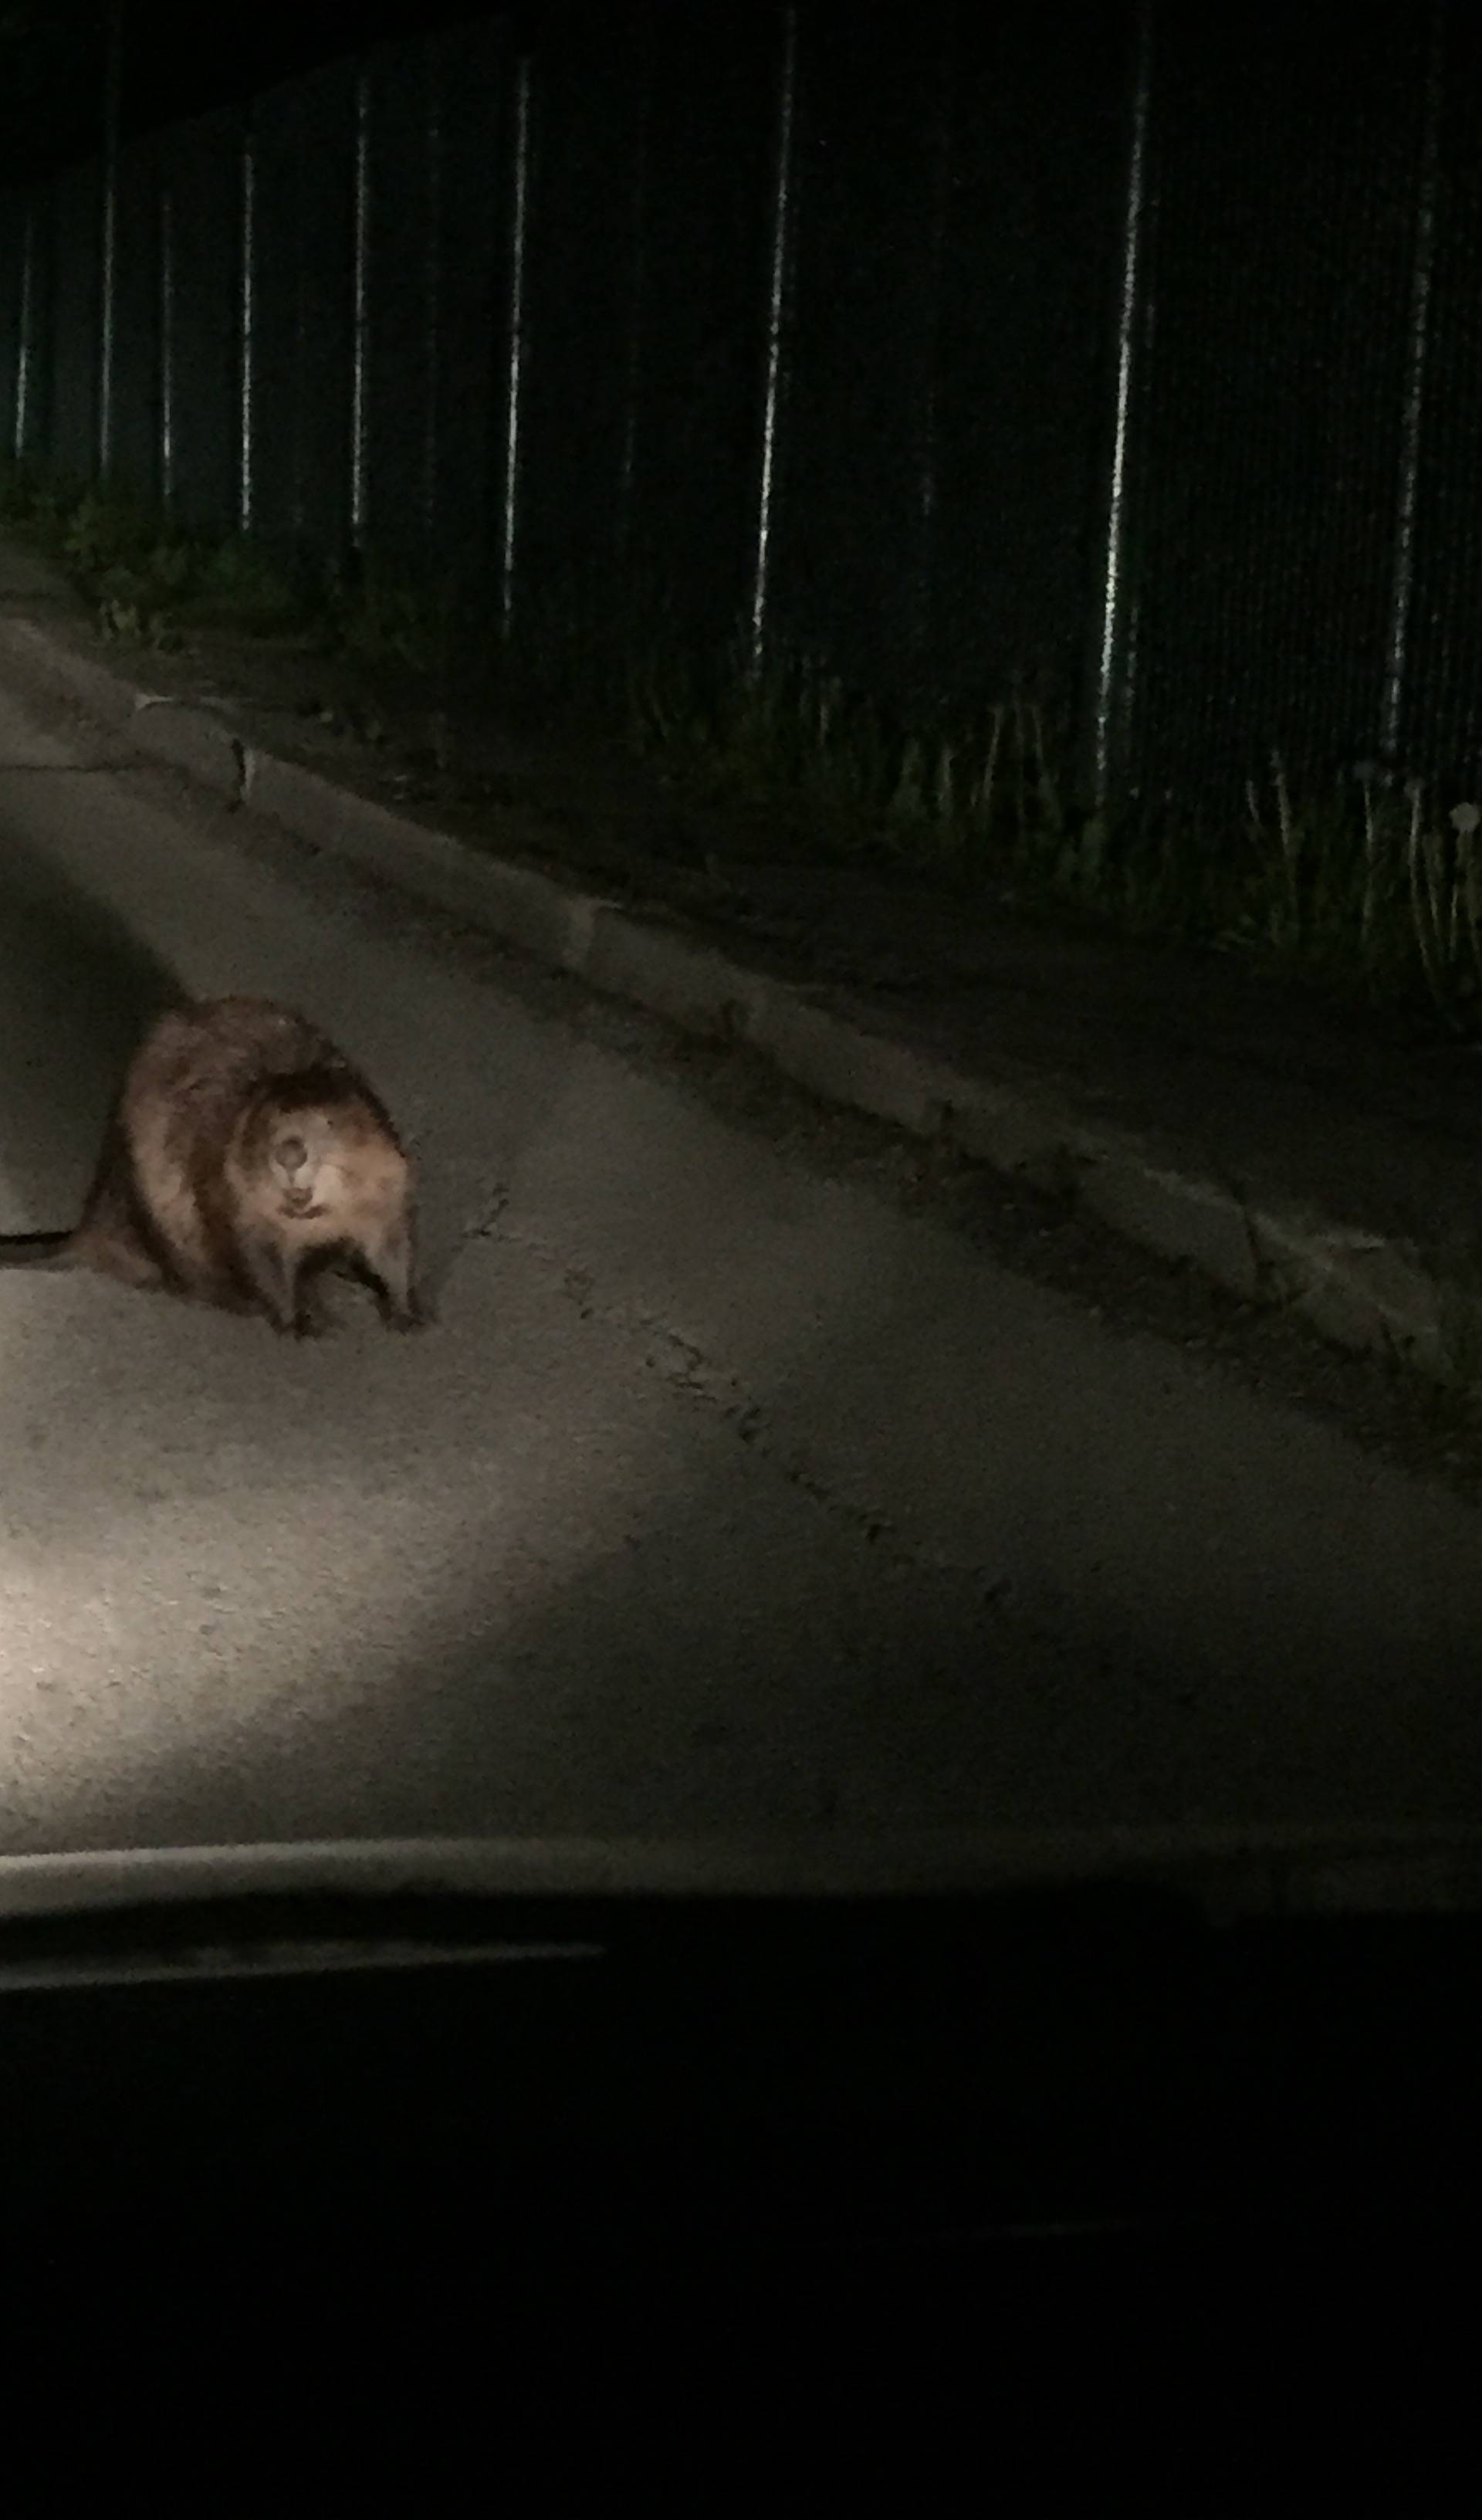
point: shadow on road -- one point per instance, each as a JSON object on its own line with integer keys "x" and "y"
{"x": 724, "y": 1496}
{"x": 77, "y": 991}
{"x": 306, "y": 1628}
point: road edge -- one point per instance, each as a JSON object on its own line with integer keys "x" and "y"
{"x": 1359, "y": 1289}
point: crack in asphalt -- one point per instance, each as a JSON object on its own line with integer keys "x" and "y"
{"x": 682, "y": 1364}
{"x": 484, "y": 1223}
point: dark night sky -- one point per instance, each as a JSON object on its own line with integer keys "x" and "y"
{"x": 178, "y": 63}
{"x": 175, "y": 62}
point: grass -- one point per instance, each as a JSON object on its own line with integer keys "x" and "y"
{"x": 1370, "y": 887}
{"x": 150, "y": 581}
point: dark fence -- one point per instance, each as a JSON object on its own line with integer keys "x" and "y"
{"x": 1131, "y": 359}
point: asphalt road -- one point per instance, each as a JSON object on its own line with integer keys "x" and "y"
{"x": 724, "y": 1493}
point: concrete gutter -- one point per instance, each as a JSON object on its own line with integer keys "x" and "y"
{"x": 1359, "y": 1288}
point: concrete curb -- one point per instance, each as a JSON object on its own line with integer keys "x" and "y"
{"x": 1358, "y": 1289}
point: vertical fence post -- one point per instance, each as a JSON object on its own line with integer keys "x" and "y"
{"x": 638, "y": 223}
{"x": 298, "y": 466}
{"x": 926, "y": 485}
{"x": 247, "y": 324}
{"x": 109, "y": 239}
{"x": 520, "y": 210}
{"x": 360, "y": 331}
{"x": 431, "y": 329}
{"x": 24, "y": 346}
{"x": 1115, "y": 669}
{"x": 782, "y": 224}
{"x": 1413, "y": 406}
{"x": 166, "y": 346}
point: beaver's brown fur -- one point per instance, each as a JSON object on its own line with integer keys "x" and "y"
{"x": 245, "y": 1156}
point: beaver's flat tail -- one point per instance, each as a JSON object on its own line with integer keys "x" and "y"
{"x": 35, "y": 1250}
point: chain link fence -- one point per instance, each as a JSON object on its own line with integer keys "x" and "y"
{"x": 1128, "y": 362}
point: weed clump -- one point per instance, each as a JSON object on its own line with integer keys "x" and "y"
{"x": 1371, "y": 886}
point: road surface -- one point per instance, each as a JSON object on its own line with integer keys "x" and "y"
{"x": 725, "y": 1494}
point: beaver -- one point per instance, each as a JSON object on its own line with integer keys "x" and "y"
{"x": 245, "y": 1156}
